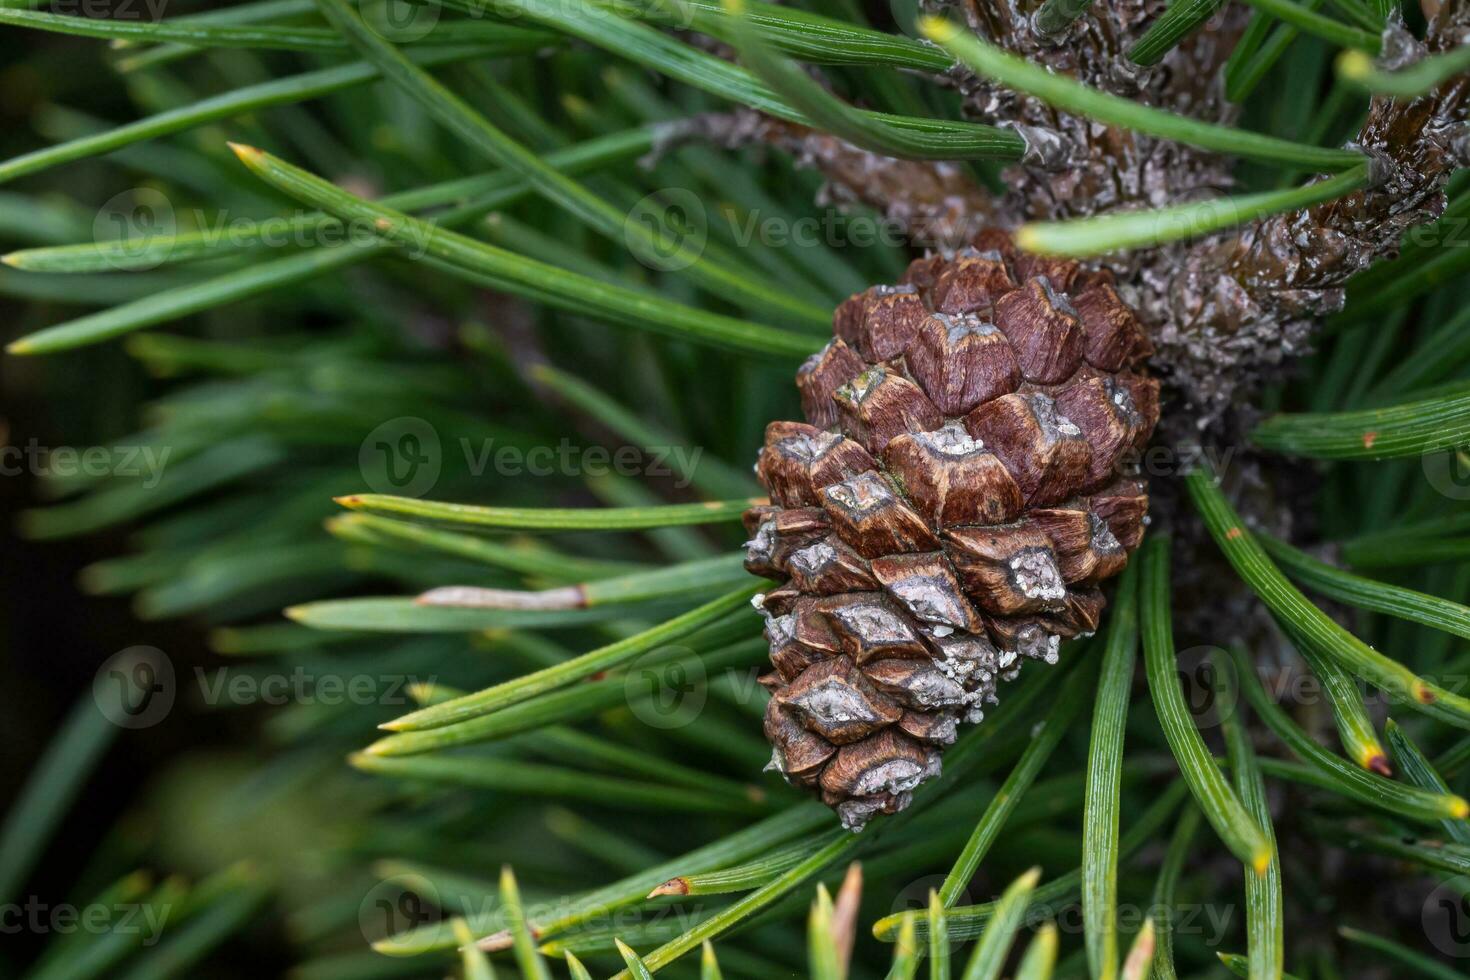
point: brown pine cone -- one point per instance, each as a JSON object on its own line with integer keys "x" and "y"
{"x": 960, "y": 493}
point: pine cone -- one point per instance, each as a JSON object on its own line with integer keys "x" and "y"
{"x": 958, "y": 495}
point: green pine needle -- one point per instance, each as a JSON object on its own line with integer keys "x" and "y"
{"x": 905, "y": 952}
{"x": 990, "y": 953}
{"x": 547, "y": 283}
{"x": 1309, "y": 21}
{"x": 709, "y": 965}
{"x": 78, "y": 746}
{"x": 531, "y": 964}
{"x": 253, "y": 98}
{"x": 868, "y": 130}
{"x": 1421, "y": 965}
{"x": 1409, "y": 429}
{"x": 551, "y": 518}
{"x": 1218, "y": 801}
{"x": 493, "y": 39}
{"x": 1420, "y": 771}
{"x": 1181, "y": 19}
{"x": 1170, "y": 870}
{"x": 473, "y": 960}
{"x": 1264, "y": 908}
{"x": 1345, "y": 778}
{"x": 1308, "y": 622}
{"x": 807, "y": 36}
{"x": 1040, "y": 957}
{"x": 1071, "y": 96}
{"x": 1043, "y": 743}
{"x": 1420, "y": 77}
{"x": 1143, "y": 229}
{"x": 1104, "y": 782}
{"x": 579, "y": 668}
{"x": 1366, "y": 593}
